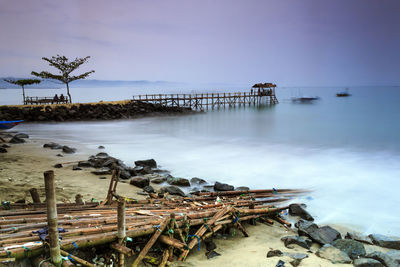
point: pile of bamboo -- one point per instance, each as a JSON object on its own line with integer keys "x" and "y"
{"x": 179, "y": 223}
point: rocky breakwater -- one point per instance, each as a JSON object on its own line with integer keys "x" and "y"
{"x": 77, "y": 112}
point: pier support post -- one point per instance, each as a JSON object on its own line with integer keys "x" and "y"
{"x": 121, "y": 229}
{"x": 35, "y": 195}
{"x": 52, "y": 224}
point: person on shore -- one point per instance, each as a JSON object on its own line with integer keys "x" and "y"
{"x": 55, "y": 99}
{"x": 62, "y": 98}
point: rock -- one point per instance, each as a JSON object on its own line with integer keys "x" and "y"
{"x": 76, "y": 168}
{"x": 295, "y": 262}
{"x": 333, "y": 254}
{"x": 5, "y": 146}
{"x": 196, "y": 180}
{"x": 103, "y": 171}
{"x": 363, "y": 262}
{"x": 173, "y": 190}
{"x": 16, "y": 140}
{"x": 298, "y": 210}
{"x": 323, "y": 235}
{"x": 101, "y": 147}
{"x": 358, "y": 237}
{"x": 212, "y": 254}
{"x": 21, "y": 201}
{"x": 273, "y": 253}
{"x": 210, "y": 245}
{"x": 84, "y": 164}
{"x": 68, "y": 150}
{"x": 385, "y": 241}
{"x": 297, "y": 240}
{"x": 159, "y": 180}
{"x": 382, "y": 258}
{"x": 22, "y": 135}
{"x": 223, "y": 187}
{"x": 124, "y": 174}
{"x": 3, "y": 150}
{"x": 352, "y": 248}
{"x": 58, "y": 165}
{"x": 59, "y": 155}
{"x": 242, "y": 188}
{"x": 102, "y": 155}
{"x": 102, "y": 177}
{"x": 142, "y": 193}
{"x": 394, "y": 254}
{"x": 52, "y": 146}
{"x": 148, "y": 162}
{"x": 140, "y": 181}
{"x": 296, "y": 256}
{"x": 149, "y": 189}
{"x": 178, "y": 181}
{"x": 280, "y": 263}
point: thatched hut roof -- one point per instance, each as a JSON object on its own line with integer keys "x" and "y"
{"x": 264, "y": 85}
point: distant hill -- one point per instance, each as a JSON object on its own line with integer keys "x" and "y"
{"x": 46, "y": 84}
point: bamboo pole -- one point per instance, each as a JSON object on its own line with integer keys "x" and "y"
{"x": 35, "y": 195}
{"x": 164, "y": 258}
{"x": 75, "y": 258}
{"x": 121, "y": 229}
{"x": 55, "y": 256}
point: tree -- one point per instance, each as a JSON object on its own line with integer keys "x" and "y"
{"x": 65, "y": 68}
{"x": 22, "y": 83}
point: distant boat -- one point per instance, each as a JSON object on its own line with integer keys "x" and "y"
{"x": 5, "y": 125}
{"x": 343, "y": 93}
{"x": 305, "y": 99}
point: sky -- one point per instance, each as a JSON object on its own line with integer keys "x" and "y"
{"x": 289, "y": 42}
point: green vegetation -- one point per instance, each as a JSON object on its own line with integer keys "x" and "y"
{"x": 22, "y": 83}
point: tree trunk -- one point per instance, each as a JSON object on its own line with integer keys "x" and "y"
{"x": 69, "y": 95}
{"x": 23, "y": 93}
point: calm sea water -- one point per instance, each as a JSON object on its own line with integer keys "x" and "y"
{"x": 347, "y": 150}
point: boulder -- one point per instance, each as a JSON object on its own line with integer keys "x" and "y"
{"x": 76, "y": 168}
{"x": 363, "y": 262}
{"x": 149, "y": 189}
{"x": 59, "y": 155}
{"x": 274, "y": 253}
{"x": 196, "y": 180}
{"x": 159, "y": 180}
{"x": 52, "y": 146}
{"x": 178, "y": 181}
{"x": 85, "y": 164}
{"x": 333, "y": 254}
{"x": 352, "y": 248}
{"x": 102, "y": 155}
{"x": 22, "y": 135}
{"x": 148, "y": 162}
{"x": 103, "y": 171}
{"x": 101, "y": 147}
{"x": 58, "y": 165}
{"x": 5, "y": 146}
{"x": 212, "y": 254}
{"x": 140, "y": 181}
{"x": 394, "y": 254}
{"x": 242, "y": 188}
{"x": 68, "y": 150}
{"x": 172, "y": 190}
{"x": 322, "y": 235}
{"x": 358, "y": 237}
{"x": 210, "y": 245}
{"x": 124, "y": 174}
{"x": 297, "y": 240}
{"x": 3, "y": 150}
{"x": 382, "y": 258}
{"x": 298, "y": 210}
{"x": 223, "y": 187}
{"x": 16, "y": 140}
{"x": 385, "y": 241}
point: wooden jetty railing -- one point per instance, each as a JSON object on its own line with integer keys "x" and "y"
{"x": 210, "y": 100}
{"x": 35, "y": 100}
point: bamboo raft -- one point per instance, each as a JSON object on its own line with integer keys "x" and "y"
{"x": 179, "y": 224}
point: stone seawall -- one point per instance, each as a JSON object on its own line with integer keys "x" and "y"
{"x": 76, "y": 112}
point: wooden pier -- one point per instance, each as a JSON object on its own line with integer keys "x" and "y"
{"x": 259, "y": 95}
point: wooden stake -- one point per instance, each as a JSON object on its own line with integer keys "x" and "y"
{"x": 121, "y": 229}
{"x": 55, "y": 256}
{"x": 75, "y": 258}
{"x": 35, "y": 195}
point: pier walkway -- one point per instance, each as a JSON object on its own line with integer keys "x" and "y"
{"x": 211, "y": 100}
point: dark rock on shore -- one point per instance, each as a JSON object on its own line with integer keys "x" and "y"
{"x": 68, "y": 150}
{"x": 333, "y": 254}
{"x": 223, "y": 187}
{"x": 298, "y": 210}
{"x": 3, "y": 150}
{"x": 359, "y": 238}
{"x": 58, "y": 165}
{"x": 103, "y": 171}
{"x": 140, "y": 181}
{"x": 394, "y": 254}
{"x": 159, "y": 180}
{"x": 149, "y": 189}
{"x": 76, "y": 168}
{"x": 297, "y": 240}
{"x": 385, "y": 241}
{"x": 352, "y": 248}
{"x": 5, "y": 146}
{"x": 382, "y": 258}
{"x": 21, "y": 135}
{"x": 16, "y": 140}
{"x": 85, "y": 164}
{"x": 148, "y": 162}
{"x": 173, "y": 190}
{"x": 101, "y": 147}
{"x": 212, "y": 254}
{"x": 363, "y": 262}
{"x": 242, "y": 188}
{"x": 274, "y": 253}
{"x": 196, "y": 180}
{"x": 53, "y": 146}
{"x": 322, "y": 235}
{"x": 178, "y": 181}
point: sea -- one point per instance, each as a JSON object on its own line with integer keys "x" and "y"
{"x": 346, "y": 151}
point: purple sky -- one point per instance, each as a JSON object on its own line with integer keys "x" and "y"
{"x": 290, "y": 42}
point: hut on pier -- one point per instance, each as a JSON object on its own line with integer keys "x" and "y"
{"x": 266, "y": 89}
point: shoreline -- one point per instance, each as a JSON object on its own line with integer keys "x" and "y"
{"x": 25, "y": 164}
